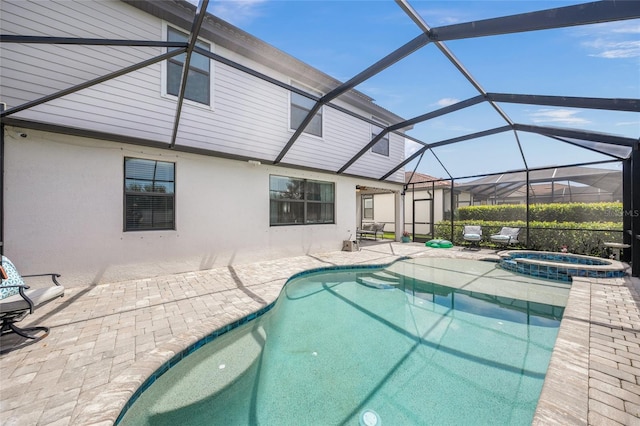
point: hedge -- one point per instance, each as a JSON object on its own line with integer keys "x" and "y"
{"x": 579, "y": 237}
{"x": 556, "y": 212}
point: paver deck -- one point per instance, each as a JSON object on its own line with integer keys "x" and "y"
{"x": 107, "y": 339}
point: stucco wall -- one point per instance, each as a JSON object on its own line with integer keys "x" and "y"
{"x": 64, "y": 211}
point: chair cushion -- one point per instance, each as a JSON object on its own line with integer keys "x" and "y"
{"x": 39, "y": 296}
{"x": 14, "y": 278}
{"x": 512, "y": 232}
{"x": 501, "y": 238}
{"x": 472, "y": 229}
{"x": 472, "y": 237}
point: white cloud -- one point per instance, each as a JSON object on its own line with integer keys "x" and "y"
{"x": 235, "y": 11}
{"x": 612, "y": 50}
{"x": 623, "y": 27}
{"x": 612, "y": 40}
{"x": 563, "y": 116}
{"x": 439, "y": 17}
{"x": 446, "y": 102}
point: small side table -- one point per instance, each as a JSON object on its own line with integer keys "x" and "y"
{"x": 618, "y": 247}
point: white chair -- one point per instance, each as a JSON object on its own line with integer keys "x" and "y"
{"x": 507, "y": 236}
{"x": 472, "y": 234}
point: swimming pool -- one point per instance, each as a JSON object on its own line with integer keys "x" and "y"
{"x": 425, "y": 341}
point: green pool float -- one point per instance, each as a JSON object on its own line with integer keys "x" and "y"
{"x": 439, "y": 244}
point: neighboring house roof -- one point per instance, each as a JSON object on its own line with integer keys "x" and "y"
{"x": 503, "y": 185}
{"x": 556, "y": 189}
{"x": 421, "y": 180}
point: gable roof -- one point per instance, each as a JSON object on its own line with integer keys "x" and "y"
{"x": 421, "y": 180}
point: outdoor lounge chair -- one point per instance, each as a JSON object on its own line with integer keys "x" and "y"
{"x": 17, "y": 300}
{"x": 506, "y": 236}
{"x": 472, "y": 234}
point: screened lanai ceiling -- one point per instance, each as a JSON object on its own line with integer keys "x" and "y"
{"x": 476, "y": 87}
{"x": 506, "y": 184}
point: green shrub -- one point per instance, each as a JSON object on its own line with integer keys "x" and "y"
{"x": 556, "y": 212}
{"x": 579, "y": 237}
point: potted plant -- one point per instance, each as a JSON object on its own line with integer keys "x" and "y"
{"x": 406, "y": 237}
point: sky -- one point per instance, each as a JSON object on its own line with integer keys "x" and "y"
{"x": 342, "y": 38}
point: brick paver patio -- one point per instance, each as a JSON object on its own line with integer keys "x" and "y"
{"x": 107, "y": 339}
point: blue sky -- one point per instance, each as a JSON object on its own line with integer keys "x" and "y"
{"x": 342, "y": 38}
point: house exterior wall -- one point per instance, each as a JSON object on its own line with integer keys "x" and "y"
{"x": 383, "y": 211}
{"x": 248, "y": 117}
{"x": 421, "y": 215}
{"x": 465, "y": 199}
{"x": 64, "y": 211}
{"x": 64, "y": 193}
{"x": 424, "y": 214}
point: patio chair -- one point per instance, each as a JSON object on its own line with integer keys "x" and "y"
{"x": 507, "y": 236}
{"x": 17, "y": 300}
{"x": 472, "y": 234}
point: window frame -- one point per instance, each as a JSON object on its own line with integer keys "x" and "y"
{"x": 320, "y": 112}
{"x": 152, "y": 194}
{"x": 165, "y": 69}
{"x": 384, "y": 142}
{"x": 304, "y": 200}
{"x": 364, "y": 209}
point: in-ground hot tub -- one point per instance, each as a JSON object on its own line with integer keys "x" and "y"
{"x": 559, "y": 266}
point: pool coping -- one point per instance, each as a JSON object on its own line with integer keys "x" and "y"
{"x": 565, "y": 393}
{"x": 111, "y": 405}
{"x": 608, "y": 265}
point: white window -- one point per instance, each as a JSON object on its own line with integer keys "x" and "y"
{"x": 199, "y": 77}
{"x": 300, "y": 107}
{"x": 367, "y": 207}
{"x": 382, "y": 146}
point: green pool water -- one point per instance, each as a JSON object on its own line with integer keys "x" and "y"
{"x": 392, "y": 342}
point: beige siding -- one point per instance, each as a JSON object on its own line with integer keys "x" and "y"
{"x": 248, "y": 116}
{"x": 342, "y": 138}
{"x": 56, "y": 67}
{"x": 375, "y": 165}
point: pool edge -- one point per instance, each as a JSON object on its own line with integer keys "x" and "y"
{"x": 565, "y": 397}
{"x": 108, "y": 407}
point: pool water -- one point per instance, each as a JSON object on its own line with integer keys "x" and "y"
{"x": 341, "y": 345}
